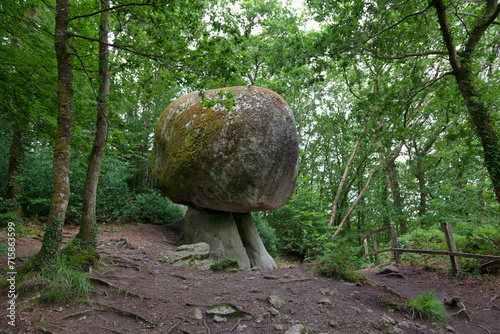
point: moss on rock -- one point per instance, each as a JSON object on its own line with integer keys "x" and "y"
{"x": 238, "y": 160}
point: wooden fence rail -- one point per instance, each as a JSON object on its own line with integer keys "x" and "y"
{"x": 451, "y": 252}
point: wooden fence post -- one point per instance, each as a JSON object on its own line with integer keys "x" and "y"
{"x": 375, "y": 247}
{"x": 446, "y": 228}
{"x": 394, "y": 240}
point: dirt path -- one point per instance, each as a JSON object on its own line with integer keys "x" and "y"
{"x": 136, "y": 294}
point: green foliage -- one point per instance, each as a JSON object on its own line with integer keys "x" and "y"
{"x": 427, "y": 307}
{"x": 225, "y": 264}
{"x": 300, "y": 228}
{"x": 153, "y": 208}
{"x": 266, "y": 233}
{"x": 483, "y": 239}
{"x": 223, "y": 98}
{"x": 339, "y": 260}
{"x": 58, "y": 282}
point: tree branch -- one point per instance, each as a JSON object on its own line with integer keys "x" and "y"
{"x": 155, "y": 5}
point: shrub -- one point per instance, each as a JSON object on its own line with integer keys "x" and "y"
{"x": 339, "y": 261}
{"x": 427, "y": 307}
{"x": 300, "y": 228}
{"x": 152, "y": 207}
{"x": 266, "y": 233}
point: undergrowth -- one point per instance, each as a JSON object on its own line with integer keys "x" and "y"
{"x": 57, "y": 283}
{"x": 339, "y": 260}
{"x": 427, "y": 307}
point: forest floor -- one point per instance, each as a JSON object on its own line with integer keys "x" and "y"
{"x": 134, "y": 293}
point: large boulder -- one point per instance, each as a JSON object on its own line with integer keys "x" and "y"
{"x": 239, "y": 160}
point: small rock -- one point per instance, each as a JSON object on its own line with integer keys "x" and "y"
{"x": 274, "y": 312}
{"x": 276, "y": 301}
{"x": 327, "y": 291}
{"x": 195, "y": 314}
{"x": 404, "y": 324}
{"x": 219, "y": 319}
{"x": 333, "y": 324}
{"x": 279, "y": 327}
{"x": 255, "y": 290}
{"x": 387, "y": 270}
{"x": 222, "y": 309}
{"x": 450, "y": 329}
{"x": 325, "y": 301}
{"x": 296, "y": 329}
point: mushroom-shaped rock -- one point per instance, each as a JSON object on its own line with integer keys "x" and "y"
{"x": 234, "y": 158}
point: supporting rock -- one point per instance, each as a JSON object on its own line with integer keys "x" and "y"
{"x": 229, "y": 235}
{"x": 256, "y": 251}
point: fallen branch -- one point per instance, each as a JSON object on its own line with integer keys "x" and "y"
{"x": 235, "y": 325}
{"x": 486, "y": 329}
{"x": 208, "y": 328}
{"x": 173, "y": 328}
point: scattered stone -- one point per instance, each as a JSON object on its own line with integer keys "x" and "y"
{"x": 222, "y": 309}
{"x": 333, "y": 324}
{"x": 325, "y": 301}
{"x": 384, "y": 322}
{"x": 279, "y": 327}
{"x": 450, "y": 329}
{"x": 255, "y": 290}
{"x": 328, "y": 291}
{"x": 296, "y": 329}
{"x": 195, "y": 314}
{"x": 276, "y": 301}
{"x": 218, "y": 318}
{"x": 387, "y": 270}
{"x": 189, "y": 256}
{"x": 273, "y": 312}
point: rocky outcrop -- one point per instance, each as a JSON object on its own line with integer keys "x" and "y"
{"x": 238, "y": 160}
{"x": 229, "y": 235}
{"x": 224, "y": 162}
{"x": 189, "y": 256}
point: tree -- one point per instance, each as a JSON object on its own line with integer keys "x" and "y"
{"x": 460, "y": 31}
{"x": 87, "y": 236}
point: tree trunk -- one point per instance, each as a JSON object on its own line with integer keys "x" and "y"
{"x": 53, "y": 232}
{"x": 87, "y": 237}
{"x": 462, "y": 69}
{"x": 422, "y": 208}
{"x": 16, "y": 159}
{"x": 392, "y": 174}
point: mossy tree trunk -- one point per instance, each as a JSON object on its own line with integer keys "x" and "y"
{"x": 16, "y": 159}
{"x": 462, "y": 64}
{"x": 51, "y": 243}
{"x": 87, "y": 237}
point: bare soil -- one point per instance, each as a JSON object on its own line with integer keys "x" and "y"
{"x": 136, "y": 294}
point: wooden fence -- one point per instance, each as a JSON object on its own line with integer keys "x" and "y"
{"x": 452, "y": 248}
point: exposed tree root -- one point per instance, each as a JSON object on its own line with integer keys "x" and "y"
{"x": 121, "y": 312}
{"x": 111, "y": 285}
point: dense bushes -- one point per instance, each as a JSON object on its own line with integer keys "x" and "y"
{"x": 152, "y": 207}
{"x": 300, "y": 228}
{"x": 340, "y": 260}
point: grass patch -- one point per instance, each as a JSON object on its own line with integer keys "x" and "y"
{"x": 427, "y": 307}
{"x": 57, "y": 283}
